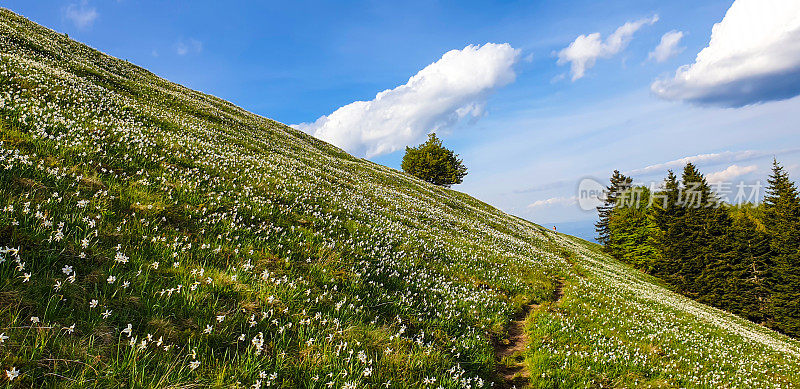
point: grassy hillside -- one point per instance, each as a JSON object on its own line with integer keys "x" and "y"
{"x": 154, "y": 236}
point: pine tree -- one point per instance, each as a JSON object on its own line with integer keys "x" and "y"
{"x": 782, "y": 218}
{"x": 618, "y": 184}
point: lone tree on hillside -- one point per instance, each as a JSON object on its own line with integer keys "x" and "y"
{"x": 433, "y": 163}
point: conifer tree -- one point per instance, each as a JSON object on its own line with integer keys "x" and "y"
{"x": 737, "y": 281}
{"x": 665, "y": 215}
{"x": 618, "y": 184}
{"x": 782, "y": 218}
{"x": 633, "y": 229}
{"x": 697, "y": 229}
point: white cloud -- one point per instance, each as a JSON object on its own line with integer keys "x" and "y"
{"x": 82, "y": 15}
{"x": 701, "y": 158}
{"x": 753, "y": 57}
{"x": 711, "y": 158}
{"x": 668, "y": 47}
{"x": 730, "y": 173}
{"x": 586, "y": 49}
{"x": 453, "y": 88}
{"x": 554, "y": 201}
{"x": 191, "y": 45}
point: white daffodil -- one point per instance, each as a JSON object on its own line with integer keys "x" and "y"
{"x": 13, "y": 373}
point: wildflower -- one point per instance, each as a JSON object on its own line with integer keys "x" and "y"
{"x": 106, "y": 314}
{"x": 194, "y": 365}
{"x": 26, "y": 277}
{"x": 121, "y": 258}
{"x": 13, "y": 373}
{"x": 258, "y": 343}
{"x": 70, "y": 329}
{"x": 220, "y": 318}
{"x": 3, "y": 337}
{"x": 93, "y": 303}
{"x": 208, "y": 329}
{"x": 111, "y": 279}
{"x": 128, "y": 330}
{"x": 34, "y": 319}
{"x": 67, "y": 269}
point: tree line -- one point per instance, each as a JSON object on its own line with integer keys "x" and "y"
{"x": 742, "y": 258}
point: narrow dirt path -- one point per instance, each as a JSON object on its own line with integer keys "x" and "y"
{"x": 512, "y": 371}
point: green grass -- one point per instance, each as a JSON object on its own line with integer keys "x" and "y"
{"x": 243, "y": 253}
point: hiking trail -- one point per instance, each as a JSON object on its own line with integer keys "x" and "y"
{"x": 513, "y": 373}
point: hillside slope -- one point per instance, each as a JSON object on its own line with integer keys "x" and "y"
{"x": 154, "y": 236}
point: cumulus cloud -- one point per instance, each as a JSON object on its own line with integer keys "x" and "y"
{"x": 453, "y": 88}
{"x": 753, "y": 57}
{"x": 81, "y": 14}
{"x": 184, "y": 47}
{"x": 668, "y": 47}
{"x": 584, "y": 51}
{"x": 554, "y": 201}
{"x": 730, "y": 173}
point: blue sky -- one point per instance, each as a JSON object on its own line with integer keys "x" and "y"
{"x": 533, "y": 129}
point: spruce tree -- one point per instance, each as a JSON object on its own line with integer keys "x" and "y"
{"x": 696, "y": 235}
{"x": 665, "y": 215}
{"x": 782, "y": 218}
{"x": 618, "y": 184}
{"x": 742, "y": 277}
{"x": 633, "y": 230}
